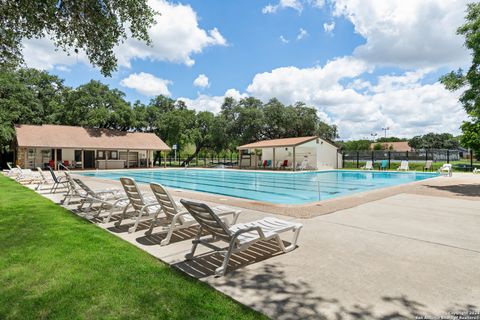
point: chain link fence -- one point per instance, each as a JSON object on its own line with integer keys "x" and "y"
{"x": 464, "y": 161}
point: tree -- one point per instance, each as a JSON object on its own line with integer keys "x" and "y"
{"x": 434, "y": 141}
{"x": 92, "y": 26}
{"x": 27, "y": 96}
{"x": 391, "y": 139}
{"x": 469, "y": 81}
{"x": 355, "y": 145}
{"x": 94, "y": 104}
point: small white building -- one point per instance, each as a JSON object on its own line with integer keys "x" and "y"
{"x": 302, "y": 152}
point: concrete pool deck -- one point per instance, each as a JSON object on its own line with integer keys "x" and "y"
{"x": 411, "y": 251}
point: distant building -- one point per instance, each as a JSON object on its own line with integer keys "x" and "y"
{"x": 400, "y": 146}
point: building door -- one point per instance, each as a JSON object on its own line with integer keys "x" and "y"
{"x": 89, "y": 159}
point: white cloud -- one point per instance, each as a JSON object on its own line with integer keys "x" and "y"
{"x": 147, "y": 84}
{"x": 302, "y": 33}
{"x": 176, "y": 37}
{"x": 283, "y": 4}
{"x": 284, "y": 40}
{"x": 42, "y": 54}
{"x": 407, "y": 33}
{"x": 328, "y": 27}
{"x": 201, "y": 81}
{"x": 212, "y": 103}
{"x": 359, "y": 107}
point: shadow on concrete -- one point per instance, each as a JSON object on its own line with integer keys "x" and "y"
{"x": 204, "y": 265}
{"x": 177, "y": 236}
{"x": 268, "y": 290}
{"x": 466, "y": 190}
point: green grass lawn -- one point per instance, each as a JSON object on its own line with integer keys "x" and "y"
{"x": 54, "y": 265}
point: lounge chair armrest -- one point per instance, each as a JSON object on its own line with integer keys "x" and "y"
{"x": 250, "y": 229}
{"x": 145, "y": 207}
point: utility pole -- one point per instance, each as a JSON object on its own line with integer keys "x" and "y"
{"x": 374, "y": 135}
{"x": 385, "y": 129}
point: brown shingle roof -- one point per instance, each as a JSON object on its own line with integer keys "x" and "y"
{"x": 286, "y": 142}
{"x": 55, "y": 136}
{"x": 396, "y": 146}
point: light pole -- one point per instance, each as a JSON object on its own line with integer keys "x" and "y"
{"x": 385, "y": 129}
{"x": 374, "y": 135}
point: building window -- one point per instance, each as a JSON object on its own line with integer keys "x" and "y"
{"x": 100, "y": 154}
{"x": 78, "y": 155}
{"x": 113, "y": 155}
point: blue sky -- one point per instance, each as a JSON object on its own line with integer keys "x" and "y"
{"x": 363, "y": 64}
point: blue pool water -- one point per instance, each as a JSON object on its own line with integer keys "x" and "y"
{"x": 281, "y": 188}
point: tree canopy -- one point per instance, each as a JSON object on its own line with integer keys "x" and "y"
{"x": 434, "y": 141}
{"x": 29, "y": 96}
{"x": 469, "y": 80}
{"x": 92, "y": 26}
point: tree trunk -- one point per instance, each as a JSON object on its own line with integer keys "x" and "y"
{"x": 191, "y": 157}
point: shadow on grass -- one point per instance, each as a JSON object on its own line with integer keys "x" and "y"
{"x": 465, "y": 190}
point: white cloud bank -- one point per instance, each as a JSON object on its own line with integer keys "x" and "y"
{"x": 359, "y": 107}
{"x": 175, "y": 38}
{"x": 407, "y": 33}
{"x": 147, "y": 84}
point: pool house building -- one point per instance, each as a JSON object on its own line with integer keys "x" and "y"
{"x": 84, "y": 148}
{"x": 311, "y": 152}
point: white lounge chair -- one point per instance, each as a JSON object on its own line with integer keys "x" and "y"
{"x": 27, "y": 176}
{"x": 177, "y": 217}
{"x": 446, "y": 170}
{"x": 43, "y": 179}
{"x": 106, "y": 198}
{"x": 58, "y": 182}
{"x": 304, "y": 165}
{"x": 239, "y": 236}
{"x": 476, "y": 170}
{"x": 368, "y": 165}
{"x": 144, "y": 208}
{"x": 11, "y": 171}
{"x": 403, "y": 166}
{"x": 428, "y": 165}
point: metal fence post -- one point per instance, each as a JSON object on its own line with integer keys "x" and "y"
{"x": 373, "y": 157}
{"x": 389, "y": 158}
{"x": 170, "y": 161}
{"x": 343, "y": 160}
{"x": 471, "y": 159}
{"x": 358, "y": 156}
{"x": 407, "y": 155}
{"x": 448, "y": 156}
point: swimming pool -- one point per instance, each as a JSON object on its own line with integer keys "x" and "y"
{"x": 274, "y": 187}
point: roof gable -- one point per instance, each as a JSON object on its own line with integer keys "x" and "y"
{"x": 277, "y": 143}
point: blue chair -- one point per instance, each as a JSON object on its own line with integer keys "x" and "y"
{"x": 384, "y": 165}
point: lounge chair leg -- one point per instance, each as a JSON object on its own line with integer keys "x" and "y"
{"x": 221, "y": 270}
{"x": 293, "y": 244}
{"x": 236, "y": 214}
{"x": 195, "y": 242}
{"x": 123, "y": 216}
{"x": 166, "y": 241}
{"x": 135, "y": 226}
{"x": 152, "y": 224}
